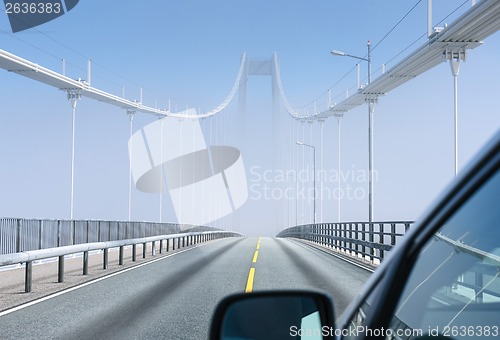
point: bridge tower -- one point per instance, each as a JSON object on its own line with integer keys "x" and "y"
{"x": 260, "y": 67}
{"x": 265, "y": 67}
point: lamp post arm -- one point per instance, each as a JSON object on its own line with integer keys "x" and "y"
{"x": 343, "y": 54}
{"x": 355, "y": 57}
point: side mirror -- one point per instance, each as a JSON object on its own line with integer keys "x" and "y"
{"x": 274, "y": 315}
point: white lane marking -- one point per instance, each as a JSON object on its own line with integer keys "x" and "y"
{"x": 34, "y": 302}
{"x": 337, "y": 256}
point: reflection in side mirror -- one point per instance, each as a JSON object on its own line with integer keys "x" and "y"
{"x": 274, "y": 315}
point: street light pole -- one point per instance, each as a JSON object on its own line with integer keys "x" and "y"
{"x": 314, "y": 178}
{"x": 371, "y": 108}
{"x": 369, "y": 44}
{"x": 339, "y": 116}
{"x": 321, "y": 121}
{"x": 73, "y": 96}
{"x": 455, "y": 68}
{"x": 130, "y": 114}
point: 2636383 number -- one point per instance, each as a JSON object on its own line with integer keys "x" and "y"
{"x": 33, "y": 8}
{"x": 471, "y": 331}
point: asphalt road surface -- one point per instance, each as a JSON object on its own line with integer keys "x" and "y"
{"x": 174, "y": 297}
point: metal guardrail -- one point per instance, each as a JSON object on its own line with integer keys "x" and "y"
{"x": 19, "y": 234}
{"x": 184, "y": 239}
{"x": 362, "y": 239}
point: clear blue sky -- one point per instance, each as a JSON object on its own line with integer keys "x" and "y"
{"x": 189, "y": 52}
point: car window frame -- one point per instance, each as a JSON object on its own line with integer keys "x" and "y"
{"x": 391, "y": 277}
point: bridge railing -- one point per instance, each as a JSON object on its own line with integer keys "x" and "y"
{"x": 166, "y": 241}
{"x": 369, "y": 241}
{"x": 19, "y": 234}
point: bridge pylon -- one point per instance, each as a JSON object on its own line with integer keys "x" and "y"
{"x": 259, "y": 67}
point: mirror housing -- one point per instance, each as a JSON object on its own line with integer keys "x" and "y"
{"x": 274, "y": 315}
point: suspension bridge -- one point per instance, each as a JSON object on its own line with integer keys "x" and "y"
{"x": 209, "y": 184}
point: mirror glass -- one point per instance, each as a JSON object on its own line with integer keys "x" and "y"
{"x": 273, "y": 317}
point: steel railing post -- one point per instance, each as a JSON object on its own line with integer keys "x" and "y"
{"x": 105, "y": 259}
{"x": 356, "y": 232}
{"x": 28, "y": 276}
{"x": 18, "y": 236}
{"x": 58, "y": 233}
{"x": 60, "y": 269}
{"x": 85, "y": 263}
{"x": 381, "y": 239}
{"x": 339, "y": 238}
{"x": 40, "y": 236}
{"x": 120, "y": 256}
{"x": 363, "y": 225}
{"x": 393, "y": 234}
{"x": 342, "y": 237}
{"x": 370, "y": 239}
{"x": 349, "y": 234}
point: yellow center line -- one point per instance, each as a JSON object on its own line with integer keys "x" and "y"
{"x": 251, "y": 275}
{"x": 255, "y": 256}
